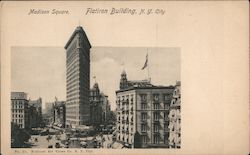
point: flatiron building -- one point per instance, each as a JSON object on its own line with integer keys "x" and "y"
{"x": 78, "y": 81}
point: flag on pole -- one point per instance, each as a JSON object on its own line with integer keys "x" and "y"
{"x": 146, "y": 63}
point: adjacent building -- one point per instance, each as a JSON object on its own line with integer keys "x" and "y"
{"x": 106, "y": 110}
{"x": 35, "y": 113}
{"x": 99, "y": 106}
{"x": 77, "y": 74}
{"x": 59, "y": 114}
{"x": 175, "y": 118}
{"x": 48, "y": 113}
{"x": 142, "y": 113}
{"x": 20, "y": 109}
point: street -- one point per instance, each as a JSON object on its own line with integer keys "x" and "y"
{"x": 61, "y": 140}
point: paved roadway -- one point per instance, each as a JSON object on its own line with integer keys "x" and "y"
{"x": 42, "y": 141}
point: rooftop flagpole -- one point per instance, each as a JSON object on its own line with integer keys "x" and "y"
{"x": 148, "y": 67}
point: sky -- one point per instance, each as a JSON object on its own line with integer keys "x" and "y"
{"x": 41, "y": 71}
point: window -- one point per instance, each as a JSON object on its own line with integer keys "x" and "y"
{"x": 143, "y": 106}
{"x": 143, "y": 97}
{"x": 156, "y": 116}
{"x": 156, "y": 139}
{"x": 167, "y": 97}
{"x": 143, "y": 128}
{"x": 144, "y": 139}
{"x": 156, "y": 128}
{"x": 166, "y": 138}
{"x": 156, "y": 97}
{"x": 165, "y": 127}
{"x": 156, "y": 106}
{"x": 166, "y": 106}
{"x": 165, "y": 116}
{"x": 143, "y": 116}
{"x": 131, "y": 98}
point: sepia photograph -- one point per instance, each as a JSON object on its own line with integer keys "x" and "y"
{"x": 81, "y": 96}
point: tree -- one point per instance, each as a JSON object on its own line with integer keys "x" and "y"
{"x": 18, "y": 136}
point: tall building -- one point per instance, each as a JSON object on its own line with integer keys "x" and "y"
{"x": 175, "y": 118}
{"x": 142, "y": 113}
{"x": 19, "y": 109}
{"x": 77, "y": 73}
{"x": 35, "y": 112}
{"x": 105, "y": 108}
{"x": 48, "y": 113}
{"x": 59, "y": 114}
{"x": 99, "y": 106}
{"x": 48, "y": 107}
{"x": 95, "y": 106}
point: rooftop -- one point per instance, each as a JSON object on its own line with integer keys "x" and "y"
{"x": 78, "y": 29}
{"x": 144, "y": 87}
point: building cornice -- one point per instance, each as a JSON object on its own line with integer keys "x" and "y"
{"x": 143, "y": 88}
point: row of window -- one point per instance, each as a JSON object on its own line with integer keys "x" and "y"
{"x": 123, "y": 98}
{"x": 72, "y": 46}
{"x": 123, "y": 139}
{"x": 73, "y": 63}
{"x": 77, "y": 84}
{"x": 17, "y": 107}
{"x": 156, "y": 116}
{"x": 145, "y": 106}
{"x": 17, "y": 116}
{"x": 145, "y": 139}
{"x": 17, "y": 111}
{"x": 17, "y": 120}
{"x": 79, "y": 75}
{"x": 72, "y": 60}
{"x": 17, "y": 102}
{"x": 123, "y": 128}
{"x": 156, "y": 127}
{"x": 156, "y": 139}
{"x": 156, "y": 97}
{"x": 156, "y": 106}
